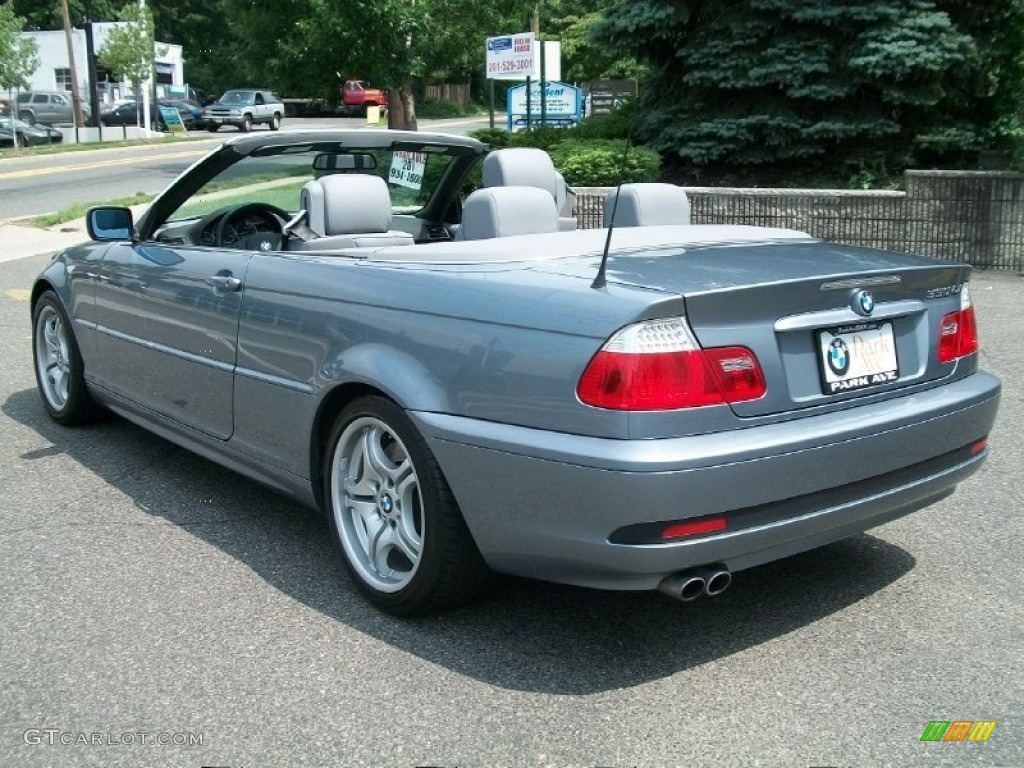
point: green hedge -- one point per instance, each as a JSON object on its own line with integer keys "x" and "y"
{"x": 604, "y": 162}
{"x": 585, "y": 162}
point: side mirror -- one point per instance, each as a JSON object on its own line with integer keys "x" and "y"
{"x": 109, "y": 223}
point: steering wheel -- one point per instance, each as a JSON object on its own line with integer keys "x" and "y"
{"x": 258, "y": 241}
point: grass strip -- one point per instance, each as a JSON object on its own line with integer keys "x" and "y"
{"x": 78, "y": 210}
{"x": 61, "y": 148}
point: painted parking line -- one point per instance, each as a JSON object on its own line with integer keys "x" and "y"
{"x": 101, "y": 164}
{"x": 18, "y": 294}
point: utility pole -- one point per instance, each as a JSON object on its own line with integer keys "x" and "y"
{"x": 146, "y": 122}
{"x": 76, "y": 100}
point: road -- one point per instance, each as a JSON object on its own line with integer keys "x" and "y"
{"x": 34, "y": 185}
{"x": 145, "y": 591}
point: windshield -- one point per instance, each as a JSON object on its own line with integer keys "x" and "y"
{"x": 238, "y": 97}
{"x": 277, "y": 178}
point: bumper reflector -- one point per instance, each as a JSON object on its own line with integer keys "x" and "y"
{"x": 694, "y": 528}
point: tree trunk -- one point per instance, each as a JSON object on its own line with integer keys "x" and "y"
{"x": 402, "y": 108}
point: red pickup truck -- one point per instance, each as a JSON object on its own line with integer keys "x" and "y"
{"x": 357, "y": 95}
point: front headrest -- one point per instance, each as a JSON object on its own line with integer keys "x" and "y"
{"x": 647, "y": 205}
{"x": 341, "y": 204}
{"x": 520, "y": 167}
{"x": 506, "y": 211}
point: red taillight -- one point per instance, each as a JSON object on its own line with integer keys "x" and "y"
{"x": 707, "y": 525}
{"x": 958, "y": 332}
{"x": 658, "y": 365}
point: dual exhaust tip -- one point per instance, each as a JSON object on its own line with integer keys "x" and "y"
{"x": 688, "y": 585}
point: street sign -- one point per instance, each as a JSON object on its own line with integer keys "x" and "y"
{"x": 563, "y": 105}
{"x": 512, "y": 57}
{"x": 172, "y": 119}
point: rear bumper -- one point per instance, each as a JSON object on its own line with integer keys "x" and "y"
{"x": 545, "y": 504}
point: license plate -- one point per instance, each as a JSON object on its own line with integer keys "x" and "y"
{"x": 857, "y": 356}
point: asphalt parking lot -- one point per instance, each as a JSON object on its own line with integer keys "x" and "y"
{"x": 149, "y": 596}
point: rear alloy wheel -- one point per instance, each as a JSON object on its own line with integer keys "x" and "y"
{"x": 58, "y": 364}
{"x": 246, "y": 125}
{"x": 275, "y": 122}
{"x": 393, "y": 515}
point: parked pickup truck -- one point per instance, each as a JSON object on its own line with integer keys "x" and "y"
{"x": 357, "y": 95}
{"x": 244, "y": 108}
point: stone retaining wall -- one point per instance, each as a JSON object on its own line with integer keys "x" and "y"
{"x": 966, "y": 216}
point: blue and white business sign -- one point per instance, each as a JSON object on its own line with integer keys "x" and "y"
{"x": 563, "y": 105}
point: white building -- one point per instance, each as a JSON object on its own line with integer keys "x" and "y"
{"x": 54, "y": 74}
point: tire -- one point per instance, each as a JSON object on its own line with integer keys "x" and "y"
{"x": 213, "y": 128}
{"x": 275, "y": 122}
{"x": 246, "y": 124}
{"x": 58, "y": 365}
{"x": 392, "y": 514}
{"x": 27, "y": 115}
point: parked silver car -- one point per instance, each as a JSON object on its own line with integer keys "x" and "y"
{"x": 49, "y": 107}
{"x": 469, "y": 385}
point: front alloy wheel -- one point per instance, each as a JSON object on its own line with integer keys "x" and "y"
{"x": 58, "y": 364}
{"x": 393, "y": 515}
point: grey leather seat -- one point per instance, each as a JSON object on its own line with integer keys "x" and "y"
{"x": 507, "y": 211}
{"x": 349, "y": 211}
{"x": 647, "y": 205}
{"x": 530, "y": 167}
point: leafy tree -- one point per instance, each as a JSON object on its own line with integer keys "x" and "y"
{"x": 129, "y": 48}
{"x": 763, "y": 83}
{"x": 18, "y": 55}
{"x": 993, "y": 92}
{"x": 47, "y": 15}
{"x": 301, "y": 47}
{"x": 198, "y": 27}
{"x": 582, "y": 59}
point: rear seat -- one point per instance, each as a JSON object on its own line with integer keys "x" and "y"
{"x": 506, "y": 211}
{"x": 647, "y": 205}
{"x": 530, "y": 167}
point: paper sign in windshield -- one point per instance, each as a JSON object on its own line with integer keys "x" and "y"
{"x": 407, "y": 169}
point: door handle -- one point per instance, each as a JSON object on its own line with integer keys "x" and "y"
{"x": 224, "y": 282}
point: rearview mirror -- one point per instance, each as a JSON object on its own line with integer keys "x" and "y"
{"x": 344, "y": 162}
{"x": 109, "y": 223}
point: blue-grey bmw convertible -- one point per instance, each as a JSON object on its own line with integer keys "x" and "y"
{"x": 407, "y": 331}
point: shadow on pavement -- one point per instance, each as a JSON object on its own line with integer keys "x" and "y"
{"x": 522, "y": 635}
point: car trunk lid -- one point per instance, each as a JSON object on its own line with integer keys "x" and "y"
{"x": 828, "y": 323}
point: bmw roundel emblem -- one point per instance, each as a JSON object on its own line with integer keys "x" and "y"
{"x": 863, "y": 303}
{"x": 838, "y": 357}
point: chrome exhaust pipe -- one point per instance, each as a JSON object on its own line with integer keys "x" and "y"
{"x": 684, "y": 586}
{"x": 688, "y": 585}
{"x": 717, "y": 579}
